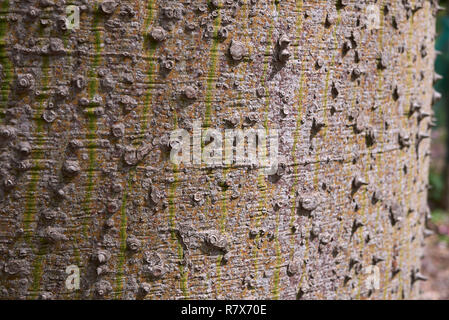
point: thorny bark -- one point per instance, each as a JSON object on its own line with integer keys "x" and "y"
{"x": 352, "y": 105}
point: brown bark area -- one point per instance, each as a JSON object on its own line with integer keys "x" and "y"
{"x": 97, "y": 94}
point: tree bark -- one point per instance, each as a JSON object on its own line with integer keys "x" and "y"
{"x": 86, "y": 175}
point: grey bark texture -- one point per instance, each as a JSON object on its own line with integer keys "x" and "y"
{"x": 85, "y": 173}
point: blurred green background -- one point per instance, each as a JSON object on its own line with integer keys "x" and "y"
{"x": 439, "y": 171}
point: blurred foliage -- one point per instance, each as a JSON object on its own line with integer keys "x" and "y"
{"x": 436, "y": 180}
{"x": 441, "y": 220}
{"x": 442, "y": 67}
{"x": 439, "y": 216}
{"x": 440, "y": 159}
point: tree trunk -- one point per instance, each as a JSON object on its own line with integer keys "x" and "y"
{"x": 87, "y": 180}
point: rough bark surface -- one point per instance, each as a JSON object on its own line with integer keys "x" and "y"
{"x": 86, "y": 178}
